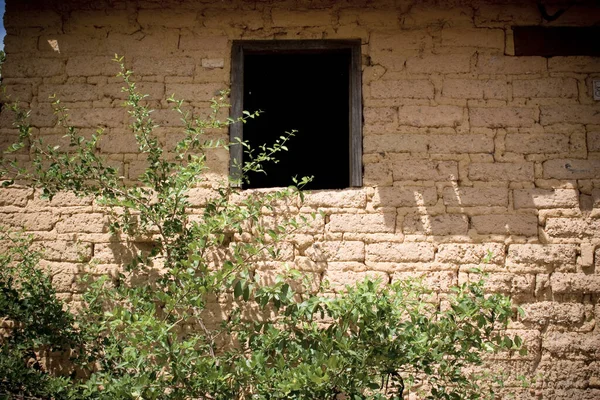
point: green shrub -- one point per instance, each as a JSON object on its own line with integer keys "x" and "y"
{"x": 36, "y": 325}
{"x": 197, "y": 316}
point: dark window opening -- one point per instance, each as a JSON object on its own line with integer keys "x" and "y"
{"x": 312, "y": 87}
{"x": 556, "y": 41}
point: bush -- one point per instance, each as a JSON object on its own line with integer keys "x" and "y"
{"x": 35, "y": 324}
{"x": 207, "y": 309}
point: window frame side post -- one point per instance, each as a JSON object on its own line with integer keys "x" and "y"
{"x": 355, "y": 131}
{"x": 237, "y": 105}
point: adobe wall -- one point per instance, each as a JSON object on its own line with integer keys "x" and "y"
{"x": 467, "y": 148}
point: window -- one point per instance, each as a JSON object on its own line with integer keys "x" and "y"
{"x": 311, "y": 86}
{"x": 556, "y": 41}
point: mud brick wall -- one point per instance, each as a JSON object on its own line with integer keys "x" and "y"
{"x": 467, "y": 148}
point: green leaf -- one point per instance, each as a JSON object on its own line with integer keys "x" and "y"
{"x": 238, "y": 289}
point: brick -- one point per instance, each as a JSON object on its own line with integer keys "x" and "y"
{"x": 350, "y": 198}
{"x": 406, "y": 40}
{"x": 586, "y": 258}
{"x": 409, "y": 88}
{"x": 430, "y": 115}
{"x": 195, "y": 92}
{"x": 15, "y": 196}
{"x": 19, "y": 93}
{"x": 440, "y": 281}
{"x": 34, "y": 18}
{"x": 544, "y": 198}
{"x": 19, "y": 66}
{"x": 573, "y": 376}
{"x": 75, "y": 45}
{"x": 10, "y": 135}
{"x": 443, "y": 63}
{"x": 388, "y": 60}
{"x": 374, "y": 115}
{"x": 61, "y": 250}
{"x": 14, "y": 44}
{"x": 62, "y": 199}
{"x": 290, "y": 18}
{"x": 579, "y": 64}
{"x": 369, "y": 17}
{"x": 576, "y": 114}
{"x": 68, "y": 92}
{"x": 509, "y": 65}
{"x": 309, "y": 223}
{"x": 167, "y": 66}
{"x": 364, "y": 223}
{"x": 593, "y": 141}
{"x": 536, "y": 144}
{"x": 572, "y": 345}
{"x": 43, "y": 116}
{"x": 475, "y": 89}
{"x": 491, "y": 172}
{"x": 552, "y": 312}
{"x": 244, "y": 196}
{"x": 596, "y": 198}
{"x": 167, "y": 118}
{"x": 396, "y": 143}
{"x": 545, "y": 88}
{"x": 399, "y": 252}
{"x": 482, "y": 38}
{"x": 572, "y": 228}
{"x": 511, "y": 284}
{"x": 285, "y": 252}
{"x": 207, "y": 44}
{"x": 571, "y": 169}
{"x": 475, "y": 196}
{"x": 547, "y": 256}
{"x": 87, "y": 223}
{"x": 425, "y": 170}
{"x": 91, "y": 66}
{"x": 157, "y": 42}
{"x": 525, "y": 225}
{"x": 306, "y": 264}
{"x": 502, "y": 117}
{"x": 491, "y": 14}
{"x": 577, "y": 145}
{"x": 83, "y": 21}
{"x": 562, "y": 283}
{"x": 119, "y": 143}
{"x": 121, "y": 252}
{"x": 63, "y": 282}
{"x": 404, "y": 196}
{"x": 170, "y": 18}
{"x": 40, "y": 221}
{"x": 460, "y": 144}
{"x": 212, "y": 63}
{"x": 422, "y": 15}
{"x": 153, "y": 90}
{"x": 378, "y": 174}
{"x": 199, "y": 197}
{"x": 338, "y": 280}
{"x": 438, "y": 225}
{"x": 93, "y": 118}
{"x": 470, "y": 253}
{"x": 54, "y": 267}
{"x": 219, "y": 17}
{"x": 337, "y": 251}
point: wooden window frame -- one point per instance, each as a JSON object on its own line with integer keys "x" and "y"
{"x": 242, "y": 47}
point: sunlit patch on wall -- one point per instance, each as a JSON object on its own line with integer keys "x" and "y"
{"x": 54, "y": 44}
